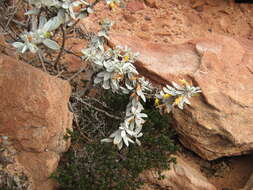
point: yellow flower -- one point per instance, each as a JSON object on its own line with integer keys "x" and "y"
{"x": 166, "y": 96}
{"x": 183, "y": 81}
{"x": 156, "y": 102}
{"x": 126, "y": 58}
{"x": 178, "y": 100}
{"x": 112, "y": 5}
{"x": 47, "y": 34}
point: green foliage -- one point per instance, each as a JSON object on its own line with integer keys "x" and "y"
{"x": 96, "y": 166}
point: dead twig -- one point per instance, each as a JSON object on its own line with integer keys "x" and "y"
{"x": 98, "y": 109}
{"x": 77, "y": 124}
{"x": 76, "y": 74}
{"x": 62, "y": 48}
{"x": 42, "y": 60}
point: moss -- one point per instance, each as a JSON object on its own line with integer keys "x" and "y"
{"x": 95, "y": 166}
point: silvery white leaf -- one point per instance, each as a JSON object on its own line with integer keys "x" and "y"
{"x": 187, "y": 101}
{"x": 130, "y": 132}
{"x": 114, "y": 134}
{"x": 139, "y": 135}
{"x": 138, "y": 130}
{"x": 106, "y": 85}
{"x": 124, "y": 90}
{"x": 48, "y": 26}
{"x": 32, "y": 47}
{"x": 106, "y": 140}
{"x": 101, "y": 74}
{"x": 32, "y": 12}
{"x": 115, "y": 84}
{"x": 117, "y": 139}
{"x": 142, "y": 115}
{"x": 52, "y": 24}
{"x": 24, "y": 49}
{"x": 90, "y": 10}
{"x": 125, "y": 139}
{"x": 18, "y": 45}
{"x": 120, "y": 145}
{"x": 138, "y": 142}
{"x": 72, "y": 13}
{"x": 123, "y": 133}
{"x": 130, "y": 140}
{"x": 128, "y": 85}
{"x": 61, "y": 16}
{"x": 107, "y": 76}
{"x": 108, "y": 64}
{"x": 181, "y": 104}
{"x": 139, "y": 122}
{"x": 51, "y": 44}
{"x": 65, "y": 5}
{"x": 177, "y": 86}
{"x": 42, "y": 22}
{"x": 97, "y": 80}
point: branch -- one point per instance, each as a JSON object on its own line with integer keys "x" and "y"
{"x": 62, "y": 47}
{"x": 98, "y": 109}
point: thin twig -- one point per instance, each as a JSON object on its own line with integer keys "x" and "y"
{"x": 77, "y": 124}
{"x": 62, "y": 48}
{"x": 72, "y": 26}
{"x": 98, "y": 109}
{"x": 59, "y": 74}
{"x": 42, "y": 61}
{"x": 77, "y": 73}
{"x": 98, "y": 101}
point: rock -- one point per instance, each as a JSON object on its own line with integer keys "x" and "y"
{"x": 181, "y": 176}
{"x": 129, "y": 18}
{"x": 198, "y": 3}
{"x": 225, "y": 22}
{"x": 151, "y": 3}
{"x": 34, "y": 119}
{"x": 249, "y": 184}
{"x": 145, "y": 28}
{"x": 73, "y": 60}
{"x": 219, "y": 122}
{"x": 143, "y": 35}
{"x": 135, "y": 5}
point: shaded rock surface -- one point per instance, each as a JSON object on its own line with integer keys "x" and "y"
{"x": 181, "y": 176}
{"x": 249, "y": 184}
{"x": 219, "y": 122}
{"x": 34, "y": 118}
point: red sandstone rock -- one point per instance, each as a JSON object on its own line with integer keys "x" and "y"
{"x": 135, "y": 5}
{"x": 219, "y": 122}
{"x": 151, "y": 3}
{"x": 182, "y": 175}
{"x": 129, "y": 18}
{"x": 34, "y": 116}
{"x": 73, "y": 60}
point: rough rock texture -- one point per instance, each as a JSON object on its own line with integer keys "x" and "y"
{"x": 177, "y": 21}
{"x": 73, "y": 60}
{"x": 219, "y": 122}
{"x": 34, "y": 117}
{"x": 249, "y": 184}
{"x": 181, "y": 176}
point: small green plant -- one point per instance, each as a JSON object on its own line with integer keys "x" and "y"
{"x": 95, "y": 166}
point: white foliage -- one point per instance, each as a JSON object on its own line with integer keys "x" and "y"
{"x": 37, "y": 36}
{"x": 176, "y": 95}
